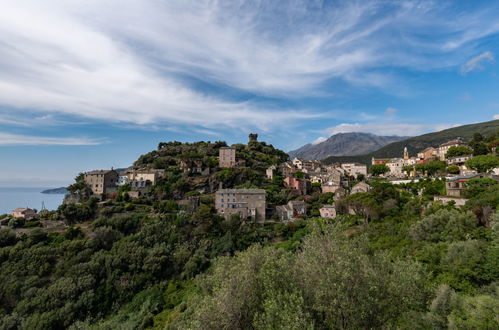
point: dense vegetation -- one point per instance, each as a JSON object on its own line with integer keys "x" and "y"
{"x": 393, "y": 258}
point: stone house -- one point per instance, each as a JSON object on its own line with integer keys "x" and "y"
{"x": 24, "y": 213}
{"x": 101, "y": 180}
{"x": 294, "y": 209}
{"x": 330, "y": 186}
{"x": 247, "y": 203}
{"x": 427, "y": 154}
{"x": 227, "y": 157}
{"x": 287, "y": 169}
{"x": 360, "y": 187}
{"x": 328, "y": 212}
{"x": 142, "y": 178}
{"x": 354, "y": 169}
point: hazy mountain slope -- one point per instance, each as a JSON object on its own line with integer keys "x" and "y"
{"x": 418, "y": 143}
{"x": 344, "y": 144}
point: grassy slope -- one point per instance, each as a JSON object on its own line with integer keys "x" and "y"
{"x": 418, "y": 143}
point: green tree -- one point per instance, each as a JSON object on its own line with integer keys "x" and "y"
{"x": 483, "y": 163}
{"x": 453, "y": 169}
{"x": 458, "y": 151}
{"x": 379, "y": 169}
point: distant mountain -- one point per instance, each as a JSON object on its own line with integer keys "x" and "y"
{"x": 61, "y": 190}
{"x": 344, "y": 144}
{"x": 418, "y": 143}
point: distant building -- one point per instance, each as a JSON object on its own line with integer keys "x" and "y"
{"x": 395, "y": 165}
{"x": 287, "y": 169}
{"x": 444, "y": 147}
{"x": 142, "y": 178}
{"x": 330, "y": 187}
{"x": 227, "y": 157}
{"x": 328, "y": 211}
{"x": 455, "y": 187}
{"x": 24, "y": 213}
{"x": 270, "y": 172}
{"x": 293, "y": 210}
{"x": 354, "y": 169}
{"x": 298, "y": 163}
{"x": 360, "y": 187}
{"x": 427, "y": 154}
{"x": 458, "y": 160}
{"x": 379, "y": 161}
{"x": 298, "y": 186}
{"x": 101, "y": 180}
{"x": 247, "y": 203}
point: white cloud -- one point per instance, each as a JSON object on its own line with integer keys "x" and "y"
{"x": 400, "y": 129}
{"x": 391, "y": 111}
{"x": 7, "y": 139}
{"x": 476, "y": 63}
{"x": 319, "y": 140}
{"x": 496, "y": 116}
{"x": 132, "y": 61}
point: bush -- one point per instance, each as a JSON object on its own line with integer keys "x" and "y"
{"x": 444, "y": 225}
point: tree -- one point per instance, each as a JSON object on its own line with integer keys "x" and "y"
{"x": 453, "y": 169}
{"x": 408, "y": 169}
{"x": 483, "y": 163}
{"x": 268, "y": 288}
{"x": 379, "y": 169}
{"x": 458, "y": 151}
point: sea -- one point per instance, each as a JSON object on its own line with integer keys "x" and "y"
{"x": 14, "y": 197}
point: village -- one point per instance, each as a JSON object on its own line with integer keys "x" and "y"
{"x": 300, "y": 177}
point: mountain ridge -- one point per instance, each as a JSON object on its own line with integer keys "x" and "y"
{"x": 344, "y": 144}
{"x": 420, "y": 142}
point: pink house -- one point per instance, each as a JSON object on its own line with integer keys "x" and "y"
{"x": 298, "y": 186}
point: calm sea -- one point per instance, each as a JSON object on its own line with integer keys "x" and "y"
{"x": 11, "y": 198}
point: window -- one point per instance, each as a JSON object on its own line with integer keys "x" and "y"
{"x": 221, "y": 205}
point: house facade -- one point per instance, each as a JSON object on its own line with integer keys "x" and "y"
{"x": 247, "y": 203}
{"x": 298, "y": 186}
{"x": 294, "y": 209}
{"x": 360, "y": 187}
{"x": 354, "y": 169}
{"x": 328, "y": 212}
{"x": 227, "y": 157}
{"x": 427, "y": 154}
{"x": 101, "y": 180}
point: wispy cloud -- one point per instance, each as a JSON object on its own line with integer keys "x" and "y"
{"x": 476, "y": 63}
{"x": 319, "y": 140}
{"x": 137, "y": 61}
{"x": 7, "y": 139}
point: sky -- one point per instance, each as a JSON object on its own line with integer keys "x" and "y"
{"x": 93, "y": 84}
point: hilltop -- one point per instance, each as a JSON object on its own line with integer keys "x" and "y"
{"x": 344, "y": 144}
{"x": 418, "y": 143}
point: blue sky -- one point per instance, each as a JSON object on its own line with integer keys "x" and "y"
{"x": 87, "y": 84}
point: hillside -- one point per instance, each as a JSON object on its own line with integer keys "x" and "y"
{"x": 344, "y": 144}
{"x": 418, "y": 143}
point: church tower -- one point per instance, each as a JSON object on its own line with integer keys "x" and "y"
{"x": 406, "y": 154}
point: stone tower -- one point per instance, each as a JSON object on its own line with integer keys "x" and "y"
{"x": 253, "y": 137}
{"x": 406, "y": 154}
